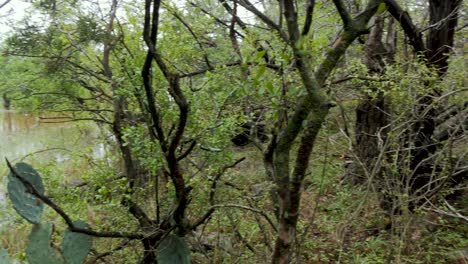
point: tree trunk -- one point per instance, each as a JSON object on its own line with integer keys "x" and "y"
{"x": 307, "y": 119}
{"x": 439, "y": 43}
{"x": 371, "y": 119}
{"x": 372, "y": 111}
{"x": 149, "y": 256}
{"x": 436, "y": 52}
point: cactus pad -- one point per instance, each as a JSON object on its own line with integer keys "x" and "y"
{"x": 4, "y": 258}
{"x": 76, "y": 246}
{"x": 25, "y": 203}
{"x": 39, "y": 250}
{"x": 173, "y": 250}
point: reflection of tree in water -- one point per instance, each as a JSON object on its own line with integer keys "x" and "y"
{"x": 23, "y": 134}
{"x": 17, "y": 122}
{"x": 7, "y": 115}
{"x": 8, "y": 122}
{"x": 6, "y": 101}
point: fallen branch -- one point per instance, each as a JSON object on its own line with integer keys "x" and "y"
{"x": 453, "y": 211}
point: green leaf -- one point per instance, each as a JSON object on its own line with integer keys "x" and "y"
{"x": 255, "y": 82}
{"x": 173, "y": 250}
{"x": 284, "y": 56}
{"x": 260, "y": 72}
{"x": 76, "y": 246}
{"x": 382, "y": 7}
{"x": 270, "y": 87}
{"x": 39, "y": 250}
{"x": 26, "y": 204}
{"x": 260, "y": 54}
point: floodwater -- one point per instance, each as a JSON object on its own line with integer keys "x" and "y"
{"x": 26, "y": 137}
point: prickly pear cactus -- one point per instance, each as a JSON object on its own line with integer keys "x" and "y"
{"x": 4, "y": 258}
{"x": 76, "y": 246}
{"x": 26, "y": 204}
{"x": 39, "y": 250}
{"x": 173, "y": 250}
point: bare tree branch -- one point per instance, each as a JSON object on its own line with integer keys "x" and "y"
{"x": 251, "y": 7}
{"x": 4, "y": 3}
{"x": 215, "y": 180}
{"x": 309, "y": 15}
{"x": 412, "y": 32}
{"x": 344, "y": 14}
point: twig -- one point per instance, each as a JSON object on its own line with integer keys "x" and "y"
{"x": 262, "y": 213}
{"x": 218, "y": 176}
{"x": 41, "y": 151}
{"x": 110, "y": 252}
{"x": 454, "y": 212}
{"x": 4, "y": 3}
{"x": 308, "y": 21}
{"x": 211, "y": 210}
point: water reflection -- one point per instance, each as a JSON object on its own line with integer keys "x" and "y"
{"x": 24, "y": 135}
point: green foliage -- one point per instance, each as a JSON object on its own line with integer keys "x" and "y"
{"x": 20, "y": 82}
{"x": 173, "y": 250}
{"x": 65, "y": 74}
{"x": 382, "y": 7}
{"x": 88, "y": 29}
{"x": 20, "y": 43}
{"x": 25, "y": 203}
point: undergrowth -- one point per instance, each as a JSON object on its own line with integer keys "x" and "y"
{"x": 339, "y": 223}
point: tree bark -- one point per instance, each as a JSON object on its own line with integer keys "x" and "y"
{"x": 439, "y": 43}
{"x": 312, "y": 111}
{"x": 436, "y": 52}
{"x": 443, "y": 15}
{"x": 372, "y": 113}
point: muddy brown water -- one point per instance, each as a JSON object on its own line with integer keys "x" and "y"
{"x": 26, "y": 137}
